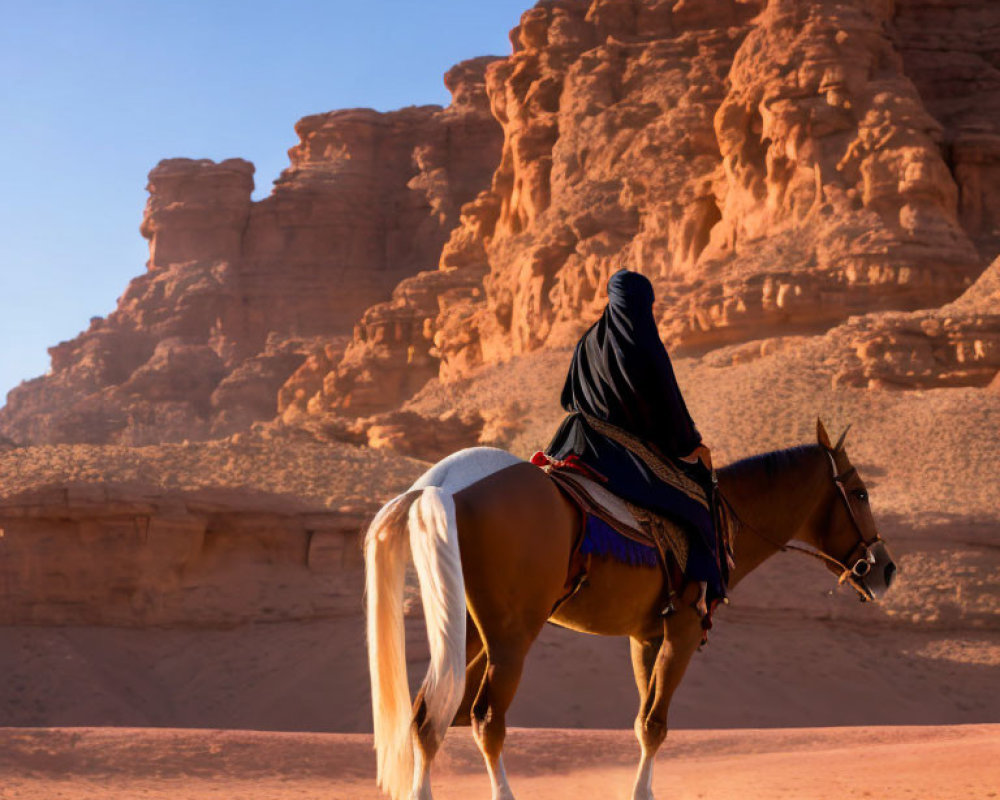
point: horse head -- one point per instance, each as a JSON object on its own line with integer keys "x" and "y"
{"x": 846, "y": 530}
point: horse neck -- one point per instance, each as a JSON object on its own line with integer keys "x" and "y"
{"x": 775, "y": 496}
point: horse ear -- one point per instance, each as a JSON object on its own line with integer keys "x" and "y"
{"x": 840, "y": 441}
{"x": 821, "y": 435}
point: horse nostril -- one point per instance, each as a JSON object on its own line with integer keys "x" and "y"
{"x": 890, "y": 573}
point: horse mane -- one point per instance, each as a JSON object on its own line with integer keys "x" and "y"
{"x": 773, "y": 462}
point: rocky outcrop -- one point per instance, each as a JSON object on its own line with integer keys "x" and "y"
{"x": 768, "y": 171}
{"x": 196, "y": 211}
{"x": 199, "y": 533}
{"x": 391, "y": 355}
{"x": 951, "y": 52}
{"x": 239, "y": 293}
{"x": 774, "y": 168}
{"x": 79, "y": 554}
{"x": 955, "y": 345}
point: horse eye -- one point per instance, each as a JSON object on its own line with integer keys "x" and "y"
{"x": 861, "y": 494}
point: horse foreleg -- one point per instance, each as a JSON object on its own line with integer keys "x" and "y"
{"x": 503, "y": 673}
{"x": 644, "y": 653}
{"x": 659, "y": 665}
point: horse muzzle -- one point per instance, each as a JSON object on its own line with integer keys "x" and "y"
{"x": 874, "y": 572}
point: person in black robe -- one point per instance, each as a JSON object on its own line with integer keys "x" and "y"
{"x": 621, "y": 374}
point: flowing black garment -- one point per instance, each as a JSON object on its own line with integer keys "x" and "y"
{"x": 621, "y": 374}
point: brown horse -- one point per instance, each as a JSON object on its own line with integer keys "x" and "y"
{"x": 492, "y": 538}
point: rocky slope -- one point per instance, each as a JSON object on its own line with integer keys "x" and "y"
{"x": 238, "y": 293}
{"x": 955, "y": 345}
{"x": 193, "y": 535}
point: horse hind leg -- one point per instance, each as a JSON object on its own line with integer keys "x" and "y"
{"x": 503, "y": 674}
{"x": 524, "y": 544}
{"x": 425, "y": 742}
{"x": 475, "y": 670}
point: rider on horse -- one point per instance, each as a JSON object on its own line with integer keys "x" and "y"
{"x": 621, "y": 380}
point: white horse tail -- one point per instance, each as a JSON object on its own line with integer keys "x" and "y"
{"x": 430, "y": 518}
{"x": 385, "y": 572}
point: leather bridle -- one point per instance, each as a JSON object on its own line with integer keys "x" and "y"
{"x": 861, "y": 554}
{"x": 861, "y": 558}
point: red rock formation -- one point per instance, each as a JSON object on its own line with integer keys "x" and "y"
{"x": 198, "y": 533}
{"x": 392, "y": 354}
{"x": 951, "y": 52}
{"x": 238, "y": 293}
{"x": 774, "y": 166}
{"x": 955, "y": 345}
{"x": 766, "y": 172}
{"x": 197, "y": 211}
{"x": 136, "y": 555}
{"x": 769, "y": 165}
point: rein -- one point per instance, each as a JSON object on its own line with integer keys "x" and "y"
{"x": 852, "y": 574}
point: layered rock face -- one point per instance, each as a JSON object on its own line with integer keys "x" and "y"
{"x": 239, "y": 293}
{"x": 955, "y": 345}
{"x": 773, "y": 167}
{"x": 951, "y": 52}
{"x": 767, "y": 166}
{"x": 203, "y": 533}
{"x": 391, "y": 355}
{"x": 138, "y": 556}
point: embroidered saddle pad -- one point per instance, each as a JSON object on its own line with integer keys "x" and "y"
{"x": 633, "y": 522}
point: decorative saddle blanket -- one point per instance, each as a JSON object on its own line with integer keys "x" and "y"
{"x": 684, "y": 522}
{"x": 614, "y": 526}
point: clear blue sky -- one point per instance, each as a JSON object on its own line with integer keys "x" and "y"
{"x": 93, "y": 94}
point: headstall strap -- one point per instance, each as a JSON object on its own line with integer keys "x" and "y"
{"x": 846, "y": 573}
{"x": 838, "y": 481}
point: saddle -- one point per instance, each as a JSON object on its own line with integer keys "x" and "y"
{"x": 636, "y": 524}
{"x": 630, "y": 533}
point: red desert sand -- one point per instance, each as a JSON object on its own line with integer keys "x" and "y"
{"x": 926, "y": 762}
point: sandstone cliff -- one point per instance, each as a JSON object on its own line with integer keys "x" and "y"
{"x": 774, "y": 168}
{"x": 238, "y": 293}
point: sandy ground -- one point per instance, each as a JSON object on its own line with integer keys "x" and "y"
{"x": 760, "y": 669}
{"x": 943, "y": 763}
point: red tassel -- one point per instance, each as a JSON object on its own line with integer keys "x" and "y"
{"x": 571, "y": 462}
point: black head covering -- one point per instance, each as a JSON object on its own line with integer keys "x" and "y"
{"x": 621, "y": 372}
